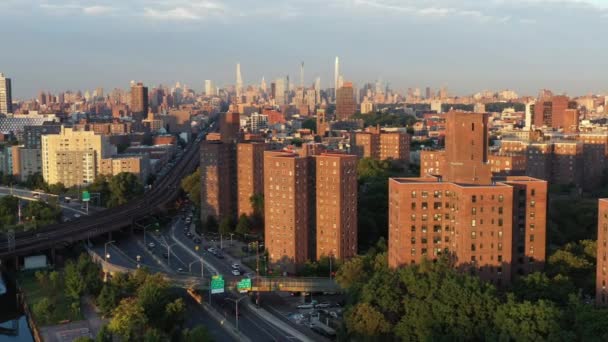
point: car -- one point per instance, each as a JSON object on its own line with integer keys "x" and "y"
{"x": 236, "y": 266}
{"x": 180, "y": 270}
{"x": 324, "y": 305}
{"x": 151, "y": 245}
{"x": 236, "y": 272}
{"x": 76, "y": 215}
{"x": 211, "y": 249}
{"x": 189, "y": 234}
{"x": 36, "y": 195}
{"x": 219, "y": 255}
{"x": 306, "y": 306}
{"x": 197, "y": 241}
{"x": 333, "y": 314}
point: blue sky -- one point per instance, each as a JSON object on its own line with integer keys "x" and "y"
{"x": 467, "y": 45}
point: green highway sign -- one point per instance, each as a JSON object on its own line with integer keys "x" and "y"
{"x": 86, "y": 196}
{"x": 244, "y": 285}
{"x": 217, "y": 284}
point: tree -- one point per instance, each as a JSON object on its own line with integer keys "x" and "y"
{"x": 90, "y": 272}
{"x": 104, "y": 334}
{"x": 211, "y": 224}
{"x": 529, "y": 321}
{"x": 310, "y": 124}
{"x": 540, "y": 286}
{"x": 366, "y": 321}
{"x": 175, "y": 315}
{"x": 43, "y": 310}
{"x": 226, "y": 226}
{"x": 352, "y": 273}
{"x": 192, "y": 186}
{"x": 124, "y": 187}
{"x": 153, "y": 297}
{"x": 198, "y": 334}
{"x": 74, "y": 283}
{"x": 243, "y": 226}
{"x": 129, "y": 320}
{"x": 107, "y": 299}
{"x": 153, "y": 335}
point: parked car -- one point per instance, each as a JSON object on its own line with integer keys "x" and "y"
{"x": 306, "y": 306}
{"x": 324, "y": 305}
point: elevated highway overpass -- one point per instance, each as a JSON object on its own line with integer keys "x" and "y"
{"x": 163, "y": 192}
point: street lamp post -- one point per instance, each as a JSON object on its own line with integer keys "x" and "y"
{"x": 236, "y": 301}
{"x": 231, "y": 234}
{"x": 105, "y": 248}
{"x": 194, "y": 262}
{"x": 221, "y": 242}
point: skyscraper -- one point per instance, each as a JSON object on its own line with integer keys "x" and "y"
{"x": 209, "y": 90}
{"x": 239, "y": 82}
{"x": 139, "y": 100}
{"x": 279, "y": 92}
{"x": 6, "y": 101}
{"x": 336, "y": 74}
{"x": 345, "y": 102}
{"x": 302, "y": 75}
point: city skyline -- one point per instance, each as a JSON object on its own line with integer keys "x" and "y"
{"x": 467, "y": 46}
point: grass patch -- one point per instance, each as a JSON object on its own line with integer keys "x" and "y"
{"x": 35, "y": 292}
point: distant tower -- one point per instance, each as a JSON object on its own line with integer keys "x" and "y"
{"x": 336, "y": 74}
{"x": 263, "y": 85}
{"x": 239, "y": 81}
{"x": 6, "y": 101}
{"x": 302, "y": 75}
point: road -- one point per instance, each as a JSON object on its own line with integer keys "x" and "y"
{"x": 69, "y": 210}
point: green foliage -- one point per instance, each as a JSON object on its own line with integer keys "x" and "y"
{"x": 107, "y": 299}
{"x": 540, "y": 286}
{"x": 297, "y": 142}
{"x": 128, "y": 320}
{"x": 530, "y": 321}
{"x": 320, "y": 268}
{"x": 104, "y": 334}
{"x": 153, "y": 335}
{"x": 366, "y": 321}
{"x": 575, "y": 261}
{"x": 8, "y": 211}
{"x": 74, "y": 284}
{"x": 43, "y": 310}
{"x": 386, "y": 119}
{"x": 175, "y": 315}
{"x": 198, "y": 334}
{"x": 372, "y": 208}
{"x": 226, "y": 226}
{"x": 243, "y": 226}
{"x": 571, "y": 220}
{"x": 192, "y": 186}
{"x": 124, "y": 187}
{"x": 153, "y": 297}
{"x": 310, "y": 124}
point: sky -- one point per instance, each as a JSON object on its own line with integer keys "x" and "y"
{"x": 466, "y": 45}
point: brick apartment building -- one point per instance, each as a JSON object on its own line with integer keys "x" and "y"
{"x": 489, "y": 227}
{"x": 250, "y": 174}
{"x": 382, "y": 145}
{"x": 601, "y": 272}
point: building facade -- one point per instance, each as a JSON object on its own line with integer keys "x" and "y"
{"x": 250, "y": 175}
{"x": 73, "y": 157}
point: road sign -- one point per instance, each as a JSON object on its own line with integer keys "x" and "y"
{"x": 244, "y": 285}
{"x": 86, "y": 196}
{"x": 217, "y": 284}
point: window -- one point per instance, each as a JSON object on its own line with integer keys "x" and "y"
{"x": 501, "y": 198}
{"x": 474, "y": 210}
{"x": 413, "y": 205}
{"x": 531, "y": 237}
{"x": 473, "y": 247}
{"x": 413, "y": 194}
{"x": 425, "y": 194}
{"x": 473, "y": 235}
{"x": 499, "y": 210}
{"x": 473, "y": 223}
{"x": 532, "y": 192}
{"x": 500, "y": 222}
{"x": 413, "y": 228}
{"x": 474, "y": 199}
{"x": 425, "y": 205}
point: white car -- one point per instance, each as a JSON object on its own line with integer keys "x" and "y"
{"x": 236, "y": 272}
{"x": 306, "y": 306}
{"x": 76, "y": 215}
{"x": 236, "y": 266}
{"x": 151, "y": 245}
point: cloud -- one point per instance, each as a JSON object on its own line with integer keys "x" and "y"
{"x": 71, "y": 8}
{"x": 178, "y": 13}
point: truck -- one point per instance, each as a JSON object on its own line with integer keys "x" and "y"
{"x": 34, "y": 262}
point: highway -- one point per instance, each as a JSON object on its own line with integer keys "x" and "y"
{"x": 70, "y": 210}
{"x": 163, "y": 192}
